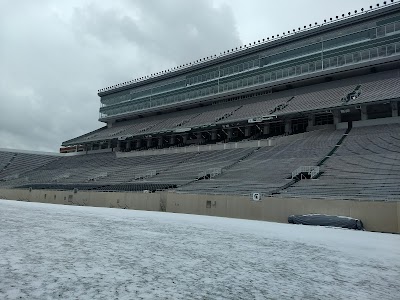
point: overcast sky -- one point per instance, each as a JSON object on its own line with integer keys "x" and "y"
{"x": 55, "y": 55}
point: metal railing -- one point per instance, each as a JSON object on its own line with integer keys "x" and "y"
{"x": 310, "y": 170}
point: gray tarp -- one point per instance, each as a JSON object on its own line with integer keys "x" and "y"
{"x": 326, "y": 220}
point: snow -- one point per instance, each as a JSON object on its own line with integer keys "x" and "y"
{"x": 68, "y": 252}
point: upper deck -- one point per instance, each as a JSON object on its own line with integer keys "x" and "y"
{"x": 366, "y": 39}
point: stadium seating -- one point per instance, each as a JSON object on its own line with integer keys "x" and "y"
{"x": 269, "y": 168}
{"x": 366, "y": 166}
{"x": 374, "y": 87}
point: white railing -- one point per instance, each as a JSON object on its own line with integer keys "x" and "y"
{"x": 310, "y": 170}
{"x": 212, "y": 172}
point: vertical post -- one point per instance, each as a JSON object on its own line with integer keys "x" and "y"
{"x": 288, "y": 126}
{"x": 311, "y": 119}
{"x": 213, "y": 134}
{"x": 247, "y": 131}
{"x": 128, "y": 145}
{"x": 395, "y": 108}
{"x": 185, "y": 138}
{"x": 138, "y": 144}
{"x": 322, "y": 53}
{"x": 336, "y": 117}
{"x": 229, "y": 133}
{"x": 266, "y": 129}
{"x": 160, "y": 141}
{"x": 364, "y": 113}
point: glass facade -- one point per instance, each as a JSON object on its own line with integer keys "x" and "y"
{"x": 324, "y": 53}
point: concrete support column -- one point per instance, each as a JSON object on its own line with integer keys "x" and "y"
{"x": 198, "y": 135}
{"x": 118, "y": 145}
{"x": 109, "y": 144}
{"x": 336, "y": 117}
{"x": 185, "y": 138}
{"x": 160, "y": 141}
{"x": 128, "y": 145}
{"x": 138, "y": 144}
{"x": 213, "y": 135}
{"x": 247, "y": 131}
{"x": 266, "y": 129}
{"x": 364, "y": 114}
{"x": 395, "y": 108}
{"x": 230, "y": 133}
{"x": 149, "y": 143}
{"x": 172, "y": 140}
{"x": 311, "y": 120}
{"x": 288, "y": 127}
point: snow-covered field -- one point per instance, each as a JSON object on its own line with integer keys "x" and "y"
{"x": 67, "y": 252}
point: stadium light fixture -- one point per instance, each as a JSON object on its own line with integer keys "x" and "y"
{"x": 349, "y": 13}
{"x": 362, "y": 9}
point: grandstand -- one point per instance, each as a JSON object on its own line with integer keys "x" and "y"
{"x": 311, "y": 114}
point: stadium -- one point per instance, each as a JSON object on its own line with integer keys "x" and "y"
{"x": 302, "y": 122}
{"x": 193, "y": 184}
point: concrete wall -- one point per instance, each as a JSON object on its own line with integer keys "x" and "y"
{"x": 376, "y": 216}
{"x": 198, "y": 148}
{"x": 138, "y": 201}
{"x": 372, "y": 122}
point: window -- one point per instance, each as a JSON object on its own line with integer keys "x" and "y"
{"x": 397, "y": 26}
{"x": 390, "y": 50}
{"x": 373, "y": 53}
{"x": 349, "y": 58}
{"x": 382, "y": 51}
{"x": 381, "y": 31}
{"x": 389, "y": 28}
{"x": 311, "y": 67}
{"x": 357, "y": 57}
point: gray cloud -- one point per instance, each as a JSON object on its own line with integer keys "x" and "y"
{"x": 54, "y": 57}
